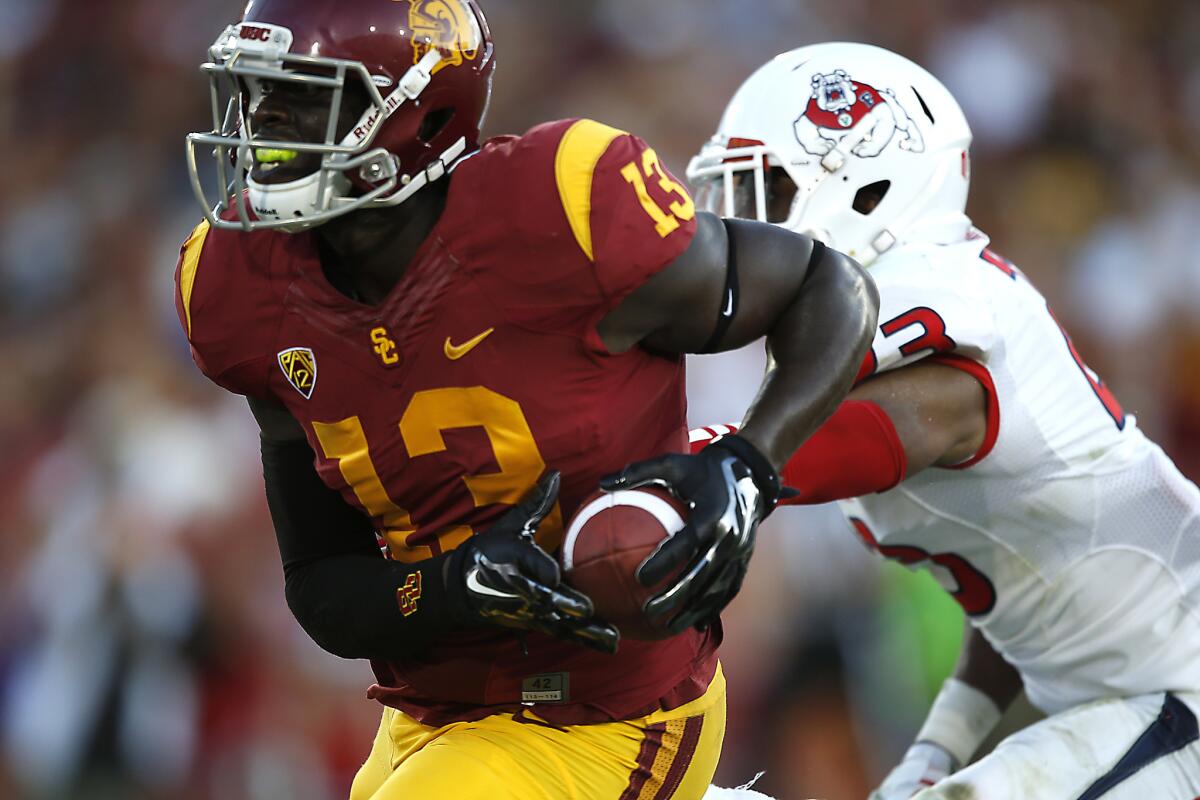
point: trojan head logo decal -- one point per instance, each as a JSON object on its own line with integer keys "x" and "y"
{"x": 448, "y": 25}
{"x": 839, "y": 107}
{"x": 299, "y": 366}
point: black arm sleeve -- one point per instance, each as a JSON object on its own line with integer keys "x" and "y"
{"x": 344, "y": 594}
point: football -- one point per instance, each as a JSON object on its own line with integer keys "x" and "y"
{"x": 610, "y": 535}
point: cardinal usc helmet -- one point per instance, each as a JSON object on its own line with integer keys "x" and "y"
{"x": 849, "y": 143}
{"x": 421, "y": 68}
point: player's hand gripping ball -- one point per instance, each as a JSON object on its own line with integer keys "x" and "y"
{"x": 609, "y": 537}
{"x": 506, "y": 579}
{"x": 728, "y": 488}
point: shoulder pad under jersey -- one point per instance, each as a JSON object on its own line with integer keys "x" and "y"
{"x": 574, "y": 212}
{"x": 228, "y": 306}
{"x": 931, "y": 301}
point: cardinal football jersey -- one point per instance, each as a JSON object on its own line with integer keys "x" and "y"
{"x": 1070, "y": 539}
{"x": 437, "y": 409}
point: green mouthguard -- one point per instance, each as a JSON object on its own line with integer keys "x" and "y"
{"x": 266, "y": 155}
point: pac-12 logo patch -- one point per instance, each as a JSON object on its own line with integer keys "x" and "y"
{"x": 299, "y": 366}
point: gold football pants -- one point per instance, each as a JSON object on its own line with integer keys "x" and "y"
{"x": 667, "y": 754}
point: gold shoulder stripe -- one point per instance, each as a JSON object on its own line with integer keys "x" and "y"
{"x": 580, "y": 149}
{"x": 187, "y": 272}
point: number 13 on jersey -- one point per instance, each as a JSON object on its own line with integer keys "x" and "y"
{"x": 429, "y": 414}
{"x": 666, "y": 220}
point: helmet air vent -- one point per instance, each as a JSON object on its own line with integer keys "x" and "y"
{"x": 434, "y": 123}
{"x": 924, "y": 105}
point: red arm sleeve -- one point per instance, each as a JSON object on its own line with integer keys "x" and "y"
{"x": 856, "y": 452}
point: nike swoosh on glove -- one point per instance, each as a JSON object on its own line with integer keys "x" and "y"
{"x": 502, "y": 577}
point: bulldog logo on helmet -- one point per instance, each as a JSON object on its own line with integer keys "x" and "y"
{"x": 840, "y": 107}
{"x": 448, "y": 25}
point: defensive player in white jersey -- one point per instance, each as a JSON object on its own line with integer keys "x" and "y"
{"x": 980, "y": 446}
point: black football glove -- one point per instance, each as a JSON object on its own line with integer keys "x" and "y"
{"x": 729, "y": 488}
{"x": 502, "y": 577}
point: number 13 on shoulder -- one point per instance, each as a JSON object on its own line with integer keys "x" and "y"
{"x": 668, "y": 219}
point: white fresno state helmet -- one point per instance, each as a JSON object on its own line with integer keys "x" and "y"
{"x": 849, "y": 143}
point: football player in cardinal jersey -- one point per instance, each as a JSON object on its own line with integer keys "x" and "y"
{"x": 977, "y": 444}
{"x": 450, "y": 344}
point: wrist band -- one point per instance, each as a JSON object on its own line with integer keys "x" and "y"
{"x": 959, "y": 720}
{"x": 729, "y": 297}
{"x": 766, "y": 478}
{"x": 856, "y": 452}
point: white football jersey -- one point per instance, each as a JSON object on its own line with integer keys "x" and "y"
{"x": 1071, "y": 539}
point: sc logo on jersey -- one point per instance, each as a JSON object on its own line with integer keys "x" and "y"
{"x": 384, "y": 347}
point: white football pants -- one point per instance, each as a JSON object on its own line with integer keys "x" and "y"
{"x": 1136, "y": 748}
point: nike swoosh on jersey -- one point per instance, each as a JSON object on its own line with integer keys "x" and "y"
{"x": 457, "y": 351}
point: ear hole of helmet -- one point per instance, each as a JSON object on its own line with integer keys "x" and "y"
{"x": 870, "y": 196}
{"x": 434, "y": 123}
{"x": 781, "y": 192}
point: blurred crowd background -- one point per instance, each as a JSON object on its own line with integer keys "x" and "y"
{"x": 145, "y": 648}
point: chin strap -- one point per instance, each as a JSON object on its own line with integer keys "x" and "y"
{"x": 411, "y": 184}
{"x": 408, "y": 88}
